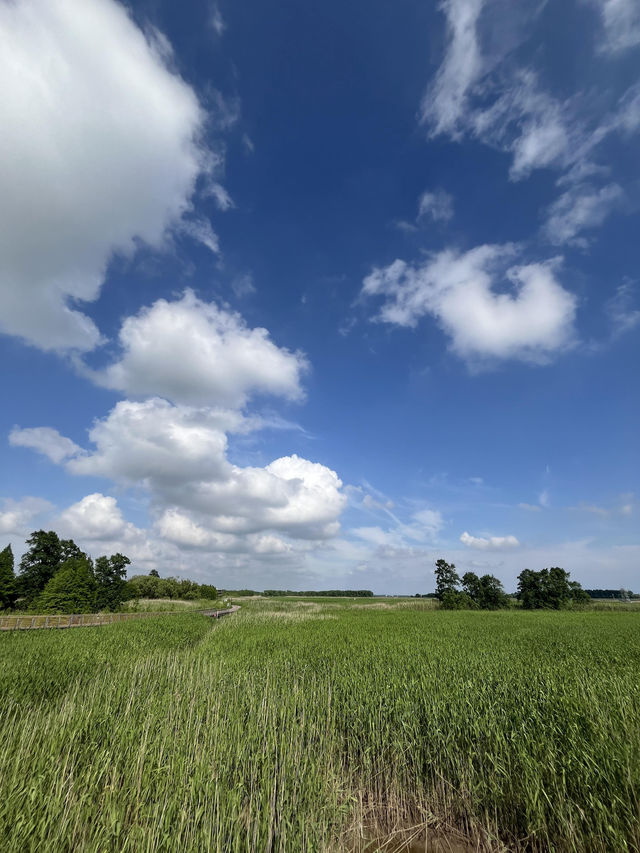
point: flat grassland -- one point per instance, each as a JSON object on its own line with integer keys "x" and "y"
{"x": 321, "y": 726}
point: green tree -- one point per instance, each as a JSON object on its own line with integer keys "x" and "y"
{"x": 549, "y": 588}
{"x": 154, "y": 573}
{"x": 208, "y": 591}
{"x": 579, "y": 595}
{"x": 39, "y": 564}
{"x": 109, "y": 573}
{"x": 8, "y": 592}
{"x": 454, "y": 600}
{"x": 472, "y": 585}
{"x": 69, "y": 550}
{"x": 71, "y": 590}
{"x": 447, "y": 579}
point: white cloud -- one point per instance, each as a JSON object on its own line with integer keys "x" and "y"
{"x": 219, "y": 194}
{"x": 437, "y": 206}
{"x": 544, "y": 498}
{"x": 532, "y": 321}
{"x": 492, "y": 543}
{"x": 45, "y": 440}
{"x": 16, "y": 516}
{"x": 193, "y": 352}
{"x": 216, "y": 20}
{"x": 580, "y": 207}
{"x": 445, "y": 103}
{"x": 529, "y": 507}
{"x": 423, "y": 528}
{"x": 99, "y": 149}
{"x": 621, "y": 310}
{"x": 157, "y": 444}
{"x": 201, "y": 230}
{"x": 621, "y": 22}
{"x": 178, "y": 455}
{"x": 95, "y": 517}
{"x": 484, "y": 90}
{"x": 243, "y": 285}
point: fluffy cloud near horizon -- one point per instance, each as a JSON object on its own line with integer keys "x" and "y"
{"x": 178, "y": 455}
{"x": 80, "y": 183}
{"x": 194, "y": 352}
{"x": 532, "y": 322}
{"x": 491, "y": 543}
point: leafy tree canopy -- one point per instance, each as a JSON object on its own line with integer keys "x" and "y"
{"x": 8, "y": 591}
{"x": 109, "y": 573}
{"x": 39, "y": 563}
{"x": 550, "y": 589}
{"x": 447, "y": 579}
{"x": 71, "y": 590}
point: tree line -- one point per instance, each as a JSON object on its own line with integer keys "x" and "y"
{"x": 56, "y": 576}
{"x": 330, "y": 593}
{"x": 546, "y": 589}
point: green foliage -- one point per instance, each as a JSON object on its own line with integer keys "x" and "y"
{"x": 109, "y": 573}
{"x": 8, "y": 591}
{"x": 454, "y": 600}
{"x": 286, "y": 726}
{"x": 321, "y": 593}
{"x": 549, "y": 589}
{"x": 153, "y": 586}
{"x": 39, "y": 563}
{"x": 486, "y": 592}
{"x": 72, "y": 589}
{"x": 447, "y": 579}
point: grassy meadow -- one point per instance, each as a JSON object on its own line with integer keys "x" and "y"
{"x": 323, "y": 726}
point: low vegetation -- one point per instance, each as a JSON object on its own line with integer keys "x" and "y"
{"x": 323, "y": 730}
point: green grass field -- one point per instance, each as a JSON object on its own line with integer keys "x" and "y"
{"x": 319, "y": 726}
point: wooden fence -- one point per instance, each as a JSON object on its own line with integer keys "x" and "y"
{"x": 79, "y": 620}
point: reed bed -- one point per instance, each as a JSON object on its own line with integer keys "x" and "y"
{"x": 513, "y": 730}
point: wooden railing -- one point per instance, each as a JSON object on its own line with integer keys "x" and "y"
{"x": 23, "y": 622}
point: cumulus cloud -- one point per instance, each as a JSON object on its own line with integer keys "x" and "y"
{"x": 100, "y": 149}
{"x": 531, "y": 321}
{"x": 95, "y": 517}
{"x": 194, "y": 352}
{"x": 45, "y": 440}
{"x": 492, "y": 543}
{"x": 178, "y": 454}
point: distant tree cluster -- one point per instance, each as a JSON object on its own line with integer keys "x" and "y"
{"x": 237, "y": 593}
{"x": 483, "y": 593}
{"x": 56, "y": 576}
{"x": 153, "y": 586}
{"x": 549, "y": 589}
{"x": 617, "y": 594}
{"x": 331, "y": 593}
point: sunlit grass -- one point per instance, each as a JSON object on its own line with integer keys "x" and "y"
{"x": 262, "y": 732}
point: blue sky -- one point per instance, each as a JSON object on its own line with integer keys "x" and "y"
{"x": 310, "y": 296}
